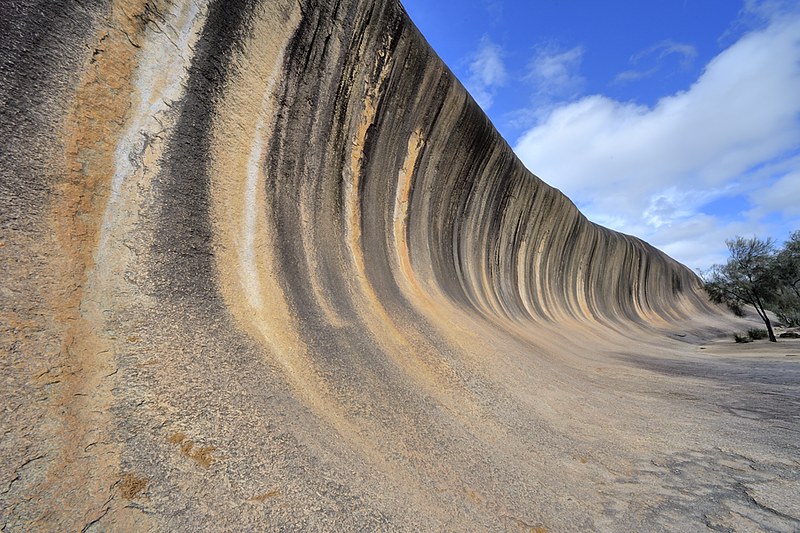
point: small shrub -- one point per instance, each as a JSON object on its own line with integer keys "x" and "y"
{"x": 741, "y": 339}
{"x": 757, "y": 334}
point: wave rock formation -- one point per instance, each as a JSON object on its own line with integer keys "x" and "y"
{"x": 267, "y": 265}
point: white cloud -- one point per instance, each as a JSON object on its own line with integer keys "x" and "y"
{"x": 651, "y": 170}
{"x": 682, "y": 239}
{"x": 782, "y": 196}
{"x": 486, "y": 72}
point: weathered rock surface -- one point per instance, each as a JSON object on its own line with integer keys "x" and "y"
{"x": 266, "y": 265}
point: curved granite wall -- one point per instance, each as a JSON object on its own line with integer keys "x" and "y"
{"x": 269, "y": 265}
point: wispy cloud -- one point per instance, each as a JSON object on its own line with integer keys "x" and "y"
{"x": 758, "y": 14}
{"x": 768, "y": 11}
{"x": 556, "y": 72}
{"x": 666, "y": 48}
{"x": 650, "y": 61}
{"x": 552, "y": 76}
{"x": 495, "y": 10}
{"x": 487, "y": 72}
{"x": 662, "y": 172}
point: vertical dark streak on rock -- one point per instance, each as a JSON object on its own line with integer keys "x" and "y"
{"x": 41, "y": 51}
{"x": 289, "y": 170}
{"x": 295, "y": 177}
{"x": 183, "y": 247}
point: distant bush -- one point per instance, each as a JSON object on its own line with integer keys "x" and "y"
{"x": 741, "y": 339}
{"x": 735, "y": 308}
{"x": 787, "y": 309}
{"x": 790, "y": 317}
{"x": 757, "y": 334}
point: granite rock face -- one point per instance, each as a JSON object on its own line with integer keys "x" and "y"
{"x": 267, "y": 265}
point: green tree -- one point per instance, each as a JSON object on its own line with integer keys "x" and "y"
{"x": 787, "y": 266}
{"x": 748, "y": 278}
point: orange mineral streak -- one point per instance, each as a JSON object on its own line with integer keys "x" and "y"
{"x": 100, "y": 107}
{"x": 397, "y": 341}
{"x": 416, "y": 142}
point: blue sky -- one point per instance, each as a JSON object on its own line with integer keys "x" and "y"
{"x": 677, "y": 121}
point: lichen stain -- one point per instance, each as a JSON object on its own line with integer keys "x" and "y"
{"x": 131, "y": 486}
{"x": 201, "y": 455}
